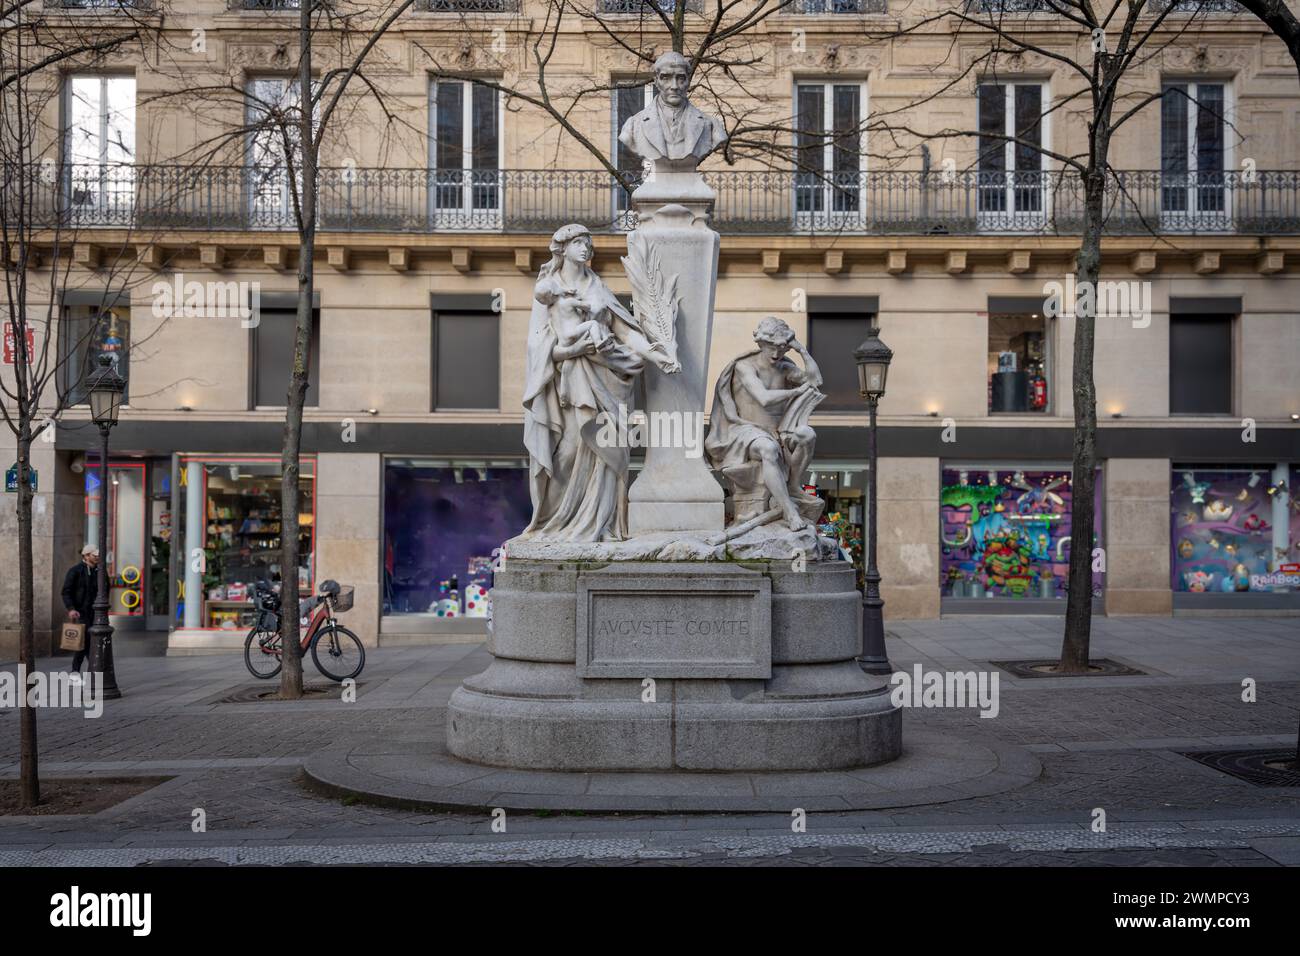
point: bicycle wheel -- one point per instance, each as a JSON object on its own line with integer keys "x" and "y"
{"x": 262, "y": 653}
{"x": 338, "y": 653}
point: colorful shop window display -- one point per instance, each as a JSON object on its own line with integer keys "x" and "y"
{"x": 1235, "y": 530}
{"x": 1006, "y": 533}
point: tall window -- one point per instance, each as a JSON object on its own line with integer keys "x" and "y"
{"x": 273, "y": 118}
{"x": 626, "y": 103}
{"x": 1017, "y": 362}
{"x": 465, "y": 153}
{"x": 99, "y": 146}
{"x": 829, "y": 156}
{"x": 88, "y": 331}
{"x": 1011, "y": 164}
{"x": 466, "y": 360}
{"x": 1200, "y": 364}
{"x": 1192, "y": 152}
{"x": 273, "y": 345}
{"x": 832, "y": 337}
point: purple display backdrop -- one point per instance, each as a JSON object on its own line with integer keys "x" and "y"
{"x": 434, "y": 525}
{"x": 1222, "y": 530}
{"x": 1008, "y": 533}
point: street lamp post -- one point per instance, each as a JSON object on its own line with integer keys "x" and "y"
{"x": 106, "y": 390}
{"x": 872, "y": 357}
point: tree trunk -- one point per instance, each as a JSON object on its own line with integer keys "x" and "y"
{"x": 290, "y": 455}
{"x": 1078, "y": 607}
{"x": 29, "y": 778}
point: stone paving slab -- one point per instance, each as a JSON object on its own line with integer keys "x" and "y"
{"x": 932, "y": 770}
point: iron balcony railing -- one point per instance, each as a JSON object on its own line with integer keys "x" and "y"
{"x": 832, "y": 7}
{"x": 1048, "y": 6}
{"x": 98, "y": 4}
{"x": 238, "y": 198}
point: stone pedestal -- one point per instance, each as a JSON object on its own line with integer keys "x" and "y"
{"x": 660, "y": 666}
{"x": 675, "y": 490}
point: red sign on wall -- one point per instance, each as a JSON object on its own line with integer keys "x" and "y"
{"x": 11, "y": 337}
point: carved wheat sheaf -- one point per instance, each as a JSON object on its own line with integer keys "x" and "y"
{"x": 654, "y": 300}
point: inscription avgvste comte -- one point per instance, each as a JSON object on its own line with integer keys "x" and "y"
{"x": 708, "y": 625}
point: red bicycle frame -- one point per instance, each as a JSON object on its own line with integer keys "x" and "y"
{"x": 319, "y": 617}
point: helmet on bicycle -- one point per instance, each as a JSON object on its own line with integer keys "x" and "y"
{"x": 330, "y": 587}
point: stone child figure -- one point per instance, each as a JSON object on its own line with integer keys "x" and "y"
{"x": 759, "y": 437}
{"x": 671, "y": 128}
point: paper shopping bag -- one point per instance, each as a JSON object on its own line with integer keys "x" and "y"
{"x": 73, "y": 636}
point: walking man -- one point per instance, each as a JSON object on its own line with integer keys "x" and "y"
{"x": 80, "y": 586}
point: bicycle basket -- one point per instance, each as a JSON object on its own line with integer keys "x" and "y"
{"x": 343, "y": 601}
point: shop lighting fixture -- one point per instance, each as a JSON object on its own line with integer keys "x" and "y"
{"x": 933, "y": 413}
{"x": 1295, "y": 416}
{"x": 184, "y": 408}
{"x": 372, "y": 411}
{"x": 1116, "y": 414}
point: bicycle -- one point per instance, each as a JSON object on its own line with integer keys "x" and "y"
{"x": 342, "y": 650}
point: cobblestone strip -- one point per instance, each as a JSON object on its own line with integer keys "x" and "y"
{"x": 1161, "y": 837}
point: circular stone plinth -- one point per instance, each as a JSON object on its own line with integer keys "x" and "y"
{"x": 933, "y": 768}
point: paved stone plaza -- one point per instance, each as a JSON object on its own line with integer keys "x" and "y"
{"x": 1111, "y": 743}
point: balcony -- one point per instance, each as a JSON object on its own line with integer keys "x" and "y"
{"x": 655, "y": 7}
{"x": 272, "y": 6}
{"x": 467, "y": 6}
{"x": 354, "y": 200}
{"x": 99, "y": 4}
{"x": 826, "y": 8}
{"x": 1154, "y": 6}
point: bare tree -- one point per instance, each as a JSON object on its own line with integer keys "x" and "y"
{"x": 43, "y": 200}
{"x": 1112, "y": 38}
{"x": 299, "y": 125}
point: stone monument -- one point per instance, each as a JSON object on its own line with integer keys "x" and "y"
{"x": 633, "y": 628}
{"x": 674, "y": 491}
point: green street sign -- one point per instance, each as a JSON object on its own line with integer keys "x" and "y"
{"x": 11, "y": 478}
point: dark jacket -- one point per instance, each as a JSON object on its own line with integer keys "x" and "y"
{"x": 79, "y": 587}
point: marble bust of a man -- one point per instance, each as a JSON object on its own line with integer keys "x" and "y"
{"x": 671, "y": 128}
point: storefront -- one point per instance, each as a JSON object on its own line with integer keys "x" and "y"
{"x": 1235, "y": 536}
{"x": 230, "y": 537}
{"x": 1005, "y": 536}
{"x": 444, "y": 523}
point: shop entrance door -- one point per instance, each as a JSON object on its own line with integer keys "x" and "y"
{"x": 159, "y": 518}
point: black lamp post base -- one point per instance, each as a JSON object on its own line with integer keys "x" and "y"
{"x": 875, "y": 665}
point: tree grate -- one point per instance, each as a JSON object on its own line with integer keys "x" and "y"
{"x": 1263, "y": 768}
{"x": 1097, "y": 667}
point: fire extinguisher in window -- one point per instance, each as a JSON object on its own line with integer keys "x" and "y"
{"x": 1037, "y": 391}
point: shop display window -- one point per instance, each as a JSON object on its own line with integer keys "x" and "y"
{"x": 844, "y": 489}
{"x": 240, "y": 516}
{"x": 1235, "y": 529}
{"x": 1005, "y": 532}
{"x": 1017, "y": 363}
{"x": 444, "y": 523}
